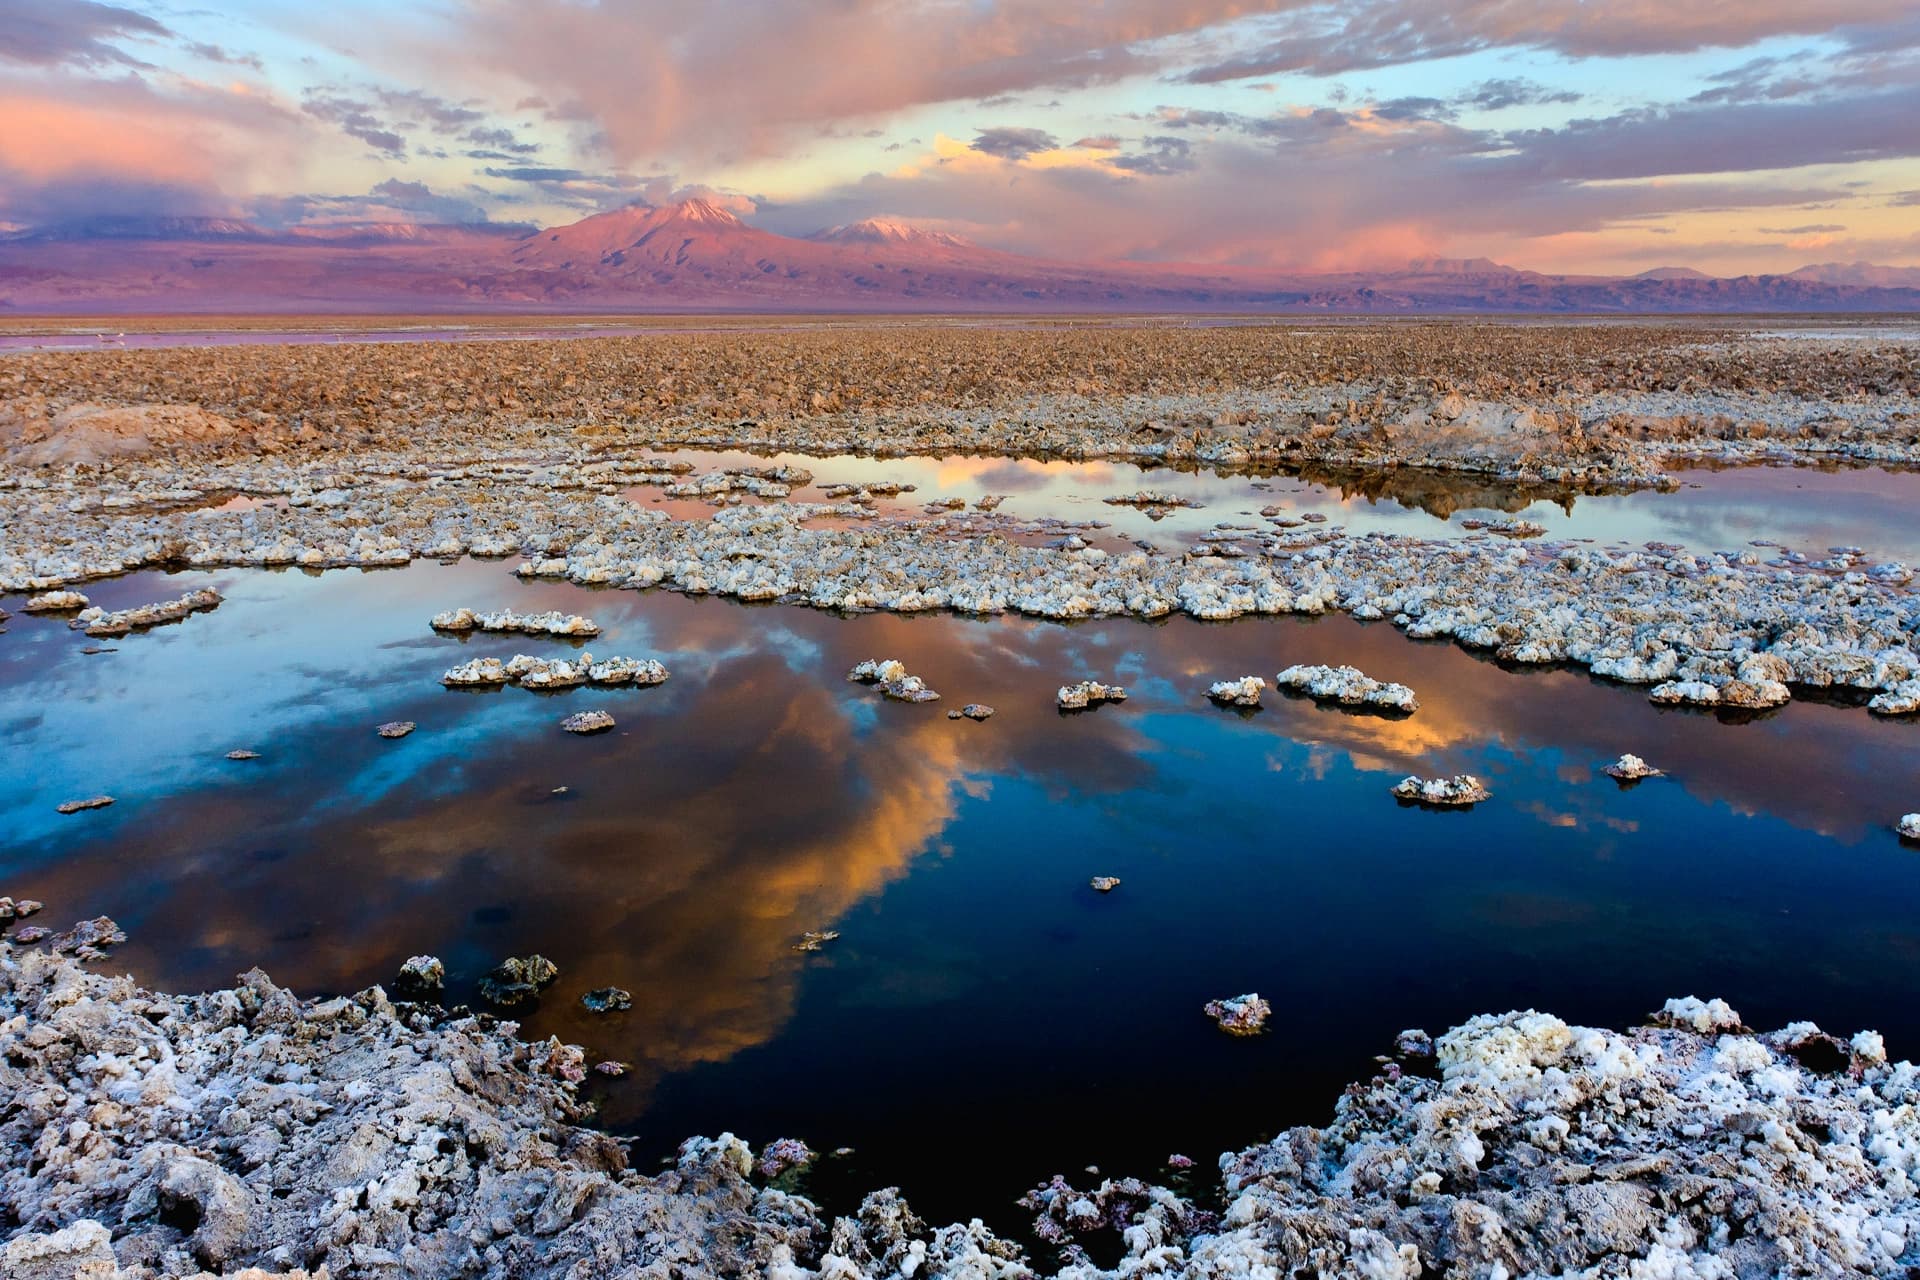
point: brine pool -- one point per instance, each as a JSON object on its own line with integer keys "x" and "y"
{"x": 985, "y": 1019}
{"x": 1803, "y": 509}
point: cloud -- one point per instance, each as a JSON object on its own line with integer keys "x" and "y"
{"x": 1813, "y": 229}
{"x": 1328, "y": 38}
{"x": 1013, "y": 144}
{"x": 80, "y": 33}
{"x": 354, "y": 118}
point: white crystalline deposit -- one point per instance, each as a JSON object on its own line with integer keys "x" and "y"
{"x": 477, "y": 673}
{"x": 1086, "y": 693}
{"x": 1244, "y": 692}
{"x": 56, "y": 602}
{"x": 552, "y": 623}
{"x": 1758, "y": 682}
{"x": 1348, "y": 686}
{"x": 1460, "y": 790}
{"x": 1631, "y": 768}
{"x": 587, "y": 722}
{"x": 1704, "y": 1016}
{"x": 891, "y": 675}
{"x": 1901, "y": 700}
{"x": 98, "y": 622}
{"x": 1909, "y": 826}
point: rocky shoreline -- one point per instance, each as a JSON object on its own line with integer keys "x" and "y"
{"x": 174, "y": 1135}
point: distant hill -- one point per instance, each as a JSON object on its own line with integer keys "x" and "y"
{"x": 696, "y": 255}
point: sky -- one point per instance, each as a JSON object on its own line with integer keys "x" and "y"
{"x": 1561, "y": 135}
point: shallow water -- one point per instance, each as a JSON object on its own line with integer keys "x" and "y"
{"x": 986, "y": 1019}
{"x": 1804, "y": 509}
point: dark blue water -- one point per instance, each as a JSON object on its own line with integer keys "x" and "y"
{"x": 985, "y": 1019}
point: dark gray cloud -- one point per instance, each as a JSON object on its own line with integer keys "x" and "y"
{"x": 354, "y": 118}
{"x": 46, "y": 33}
{"x": 1159, "y": 155}
{"x": 1013, "y": 143}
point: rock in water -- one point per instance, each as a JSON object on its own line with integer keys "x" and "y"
{"x": 1087, "y": 693}
{"x": 1244, "y": 692}
{"x": 816, "y": 939}
{"x": 243, "y": 754}
{"x": 516, "y": 980}
{"x": 1910, "y": 826}
{"x": 421, "y": 978}
{"x": 80, "y": 806}
{"x": 1348, "y": 686}
{"x": 396, "y": 729}
{"x": 1456, "y": 792}
{"x": 607, "y": 1000}
{"x": 1631, "y": 768}
{"x": 587, "y": 722}
{"x": 1105, "y": 884}
{"x": 1240, "y": 1015}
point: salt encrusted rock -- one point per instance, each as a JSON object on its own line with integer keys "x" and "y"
{"x": 783, "y": 1155}
{"x": 88, "y": 939}
{"x": 587, "y": 722}
{"x": 98, "y": 622}
{"x": 396, "y": 728}
{"x": 1150, "y": 498}
{"x": 1902, "y": 699}
{"x": 977, "y": 711}
{"x": 611, "y": 1068}
{"x": 1244, "y": 692}
{"x": 607, "y": 1000}
{"x": 61, "y": 1255}
{"x": 420, "y": 978}
{"x": 1240, "y": 1015}
{"x": 1630, "y": 768}
{"x": 1706, "y": 1017}
{"x": 551, "y": 623}
{"x": 1349, "y": 686}
{"x": 91, "y": 802}
{"x": 518, "y": 979}
{"x": 30, "y": 934}
{"x": 1909, "y": 826}
{"x": 476, "y": 673}
{"x": 634, "y": 671}
{"x": 243, "y": 753}
{"x": 894, "y": 682}
{"x": 1087, "y": 693}
{"x": 1456, "y": 792}
{"x": 1759, "y": 682}
{"x": 11, "y": 910}
{"x": 56, "y": 602}
{"x": 816, "y": 939}
{"x": 1105, "y": 884}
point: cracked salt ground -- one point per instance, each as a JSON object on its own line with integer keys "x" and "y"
{"x": 757, "y": 796}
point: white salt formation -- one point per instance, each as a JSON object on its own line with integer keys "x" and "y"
{"x": 891, "y": 675}
{"x": 1902, "y": 699}
{"x": 1104, "y": 884}
{"x": 1240, "y": 1015}
{"x": 395, "y": 729}
{"x": 1910, "y": 826}
{"x": 552, "y": 623}
{"x": 1348, "y": 686}
{"x": 531, "y": 672}
{"x": 98, "y": 622}
{"x": 1631, "y": 768}
{"x": 1087, "y": 693}
{"x": 1244, "y": 692}
{"x": 81, "y": 806}
{"x": 587, "y": 722}
{"x": 55, "y": 602}
{"x": 1460, "y": 790}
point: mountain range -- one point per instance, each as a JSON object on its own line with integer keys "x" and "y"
{"x": 695, "y": 255}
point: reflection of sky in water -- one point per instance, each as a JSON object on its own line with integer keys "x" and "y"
{"x": 1805, "y": 509}
{"x": 981, "y": 994}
